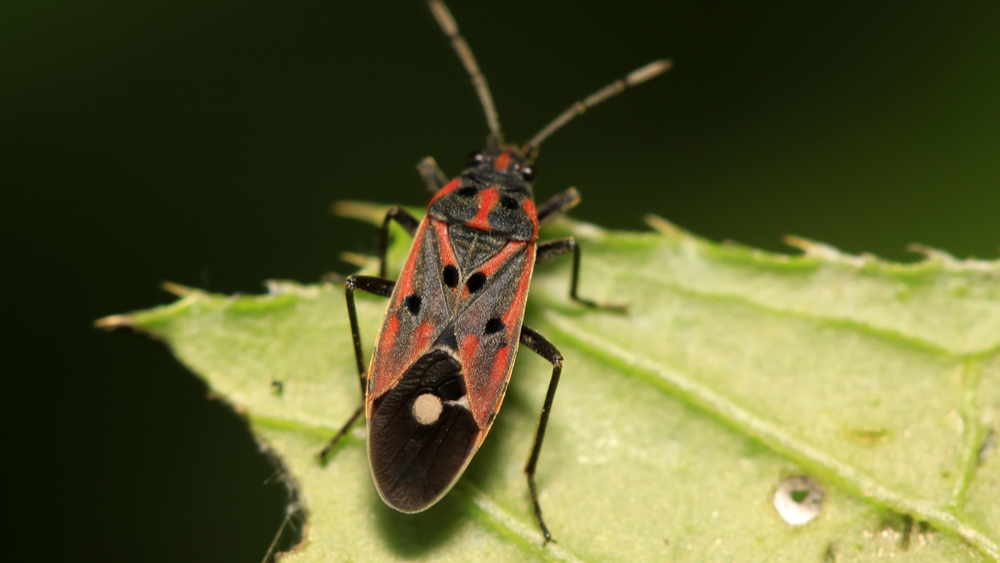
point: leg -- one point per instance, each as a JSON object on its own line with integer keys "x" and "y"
{"x": 559, "y": 203}
{"x": 375, "y": 286}
{"x": 341, "y": 433}
{"x": 553, "y": 249}
{"x": 432, "y": 175}
{"x": 405, "y": 220}
{"x": 539, "y": 345}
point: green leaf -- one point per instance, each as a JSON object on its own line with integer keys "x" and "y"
{"x": 674, "y": 425}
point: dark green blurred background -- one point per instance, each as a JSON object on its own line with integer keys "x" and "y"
{"x": 202, "y": 142}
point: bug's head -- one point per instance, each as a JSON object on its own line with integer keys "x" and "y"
{"x": 506, "y": 165}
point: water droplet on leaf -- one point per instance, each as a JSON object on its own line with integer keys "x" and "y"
{"x": 798, "y": 499}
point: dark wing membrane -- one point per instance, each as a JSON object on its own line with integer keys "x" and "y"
{"x": 416, "y": 315}
{"x": 421, "y": 434}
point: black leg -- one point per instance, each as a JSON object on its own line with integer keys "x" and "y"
{"x": 556, "y": 248}
{"x": 407, "y": 221}
{"x": 375, "y": 286}
{"x": 432, "y": 175}
{"x": 341, "y": 433}
{"x": 559, "y": 203}
{"x": 539, "y": 345}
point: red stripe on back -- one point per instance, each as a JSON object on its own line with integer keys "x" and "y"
{"x": 421, "y": 340}
{"x": 467, "y": 349}
{"x": 447, "y": 252}
{"x": 529, "y": 208}
{"x": 488, "y": 199}
{"x": 490, "y": 266}
{"x": 516, "y": 309}
{"x": 405, "y": 282}
{"x": 502, "y": 161}
{"x": 447, "y": 189}
{"x": 388, "y": 337}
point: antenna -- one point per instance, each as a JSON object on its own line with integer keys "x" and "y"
{"x": 450, "y": 28}
{"x": 634, "y": 78}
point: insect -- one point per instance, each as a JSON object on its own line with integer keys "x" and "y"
{"x": 446, "y": 348}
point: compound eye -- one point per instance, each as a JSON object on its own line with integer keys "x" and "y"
{"x": 528, "y": 173}
{"x": 475, "y": 158}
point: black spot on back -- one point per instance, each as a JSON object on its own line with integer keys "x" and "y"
{"x": 450, "y": 275}
{"x": 468, "y": 191}
{"x": 493, "y": 326}
{"x": 476, "y": 282}
{"x": 509, "y": 202}
{"x": 413, "y": 304}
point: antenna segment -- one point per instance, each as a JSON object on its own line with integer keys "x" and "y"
{"x": 634, "y": 78}
{"x": 450, "y": 29}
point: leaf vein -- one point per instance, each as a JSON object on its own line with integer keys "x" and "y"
{"x": 852, "y": 478}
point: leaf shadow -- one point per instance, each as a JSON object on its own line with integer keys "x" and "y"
{"x": 414, "y": 535}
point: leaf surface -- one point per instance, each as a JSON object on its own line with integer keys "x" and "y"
{"x": 734, "y": 370}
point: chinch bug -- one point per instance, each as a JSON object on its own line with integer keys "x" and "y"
{"x": 445, "y": 352}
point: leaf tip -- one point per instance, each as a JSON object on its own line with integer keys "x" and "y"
{"x": 360, "y": 210}
{"x": 932, "y": 254}
{"x": 583, "y": 230}
{"x": 803, "y": 244}
{"x": 178, "y": 289}
{"x": 360, "y": 260}
{"x": 950, "y": 262}
{"x": 115, "y": 321}
{"x": 824, "y": 252}
{"x": 288, "y": 287}
{"x": 662, "y": 225}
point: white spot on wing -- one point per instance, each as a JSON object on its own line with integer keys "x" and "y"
{"x": 427, "y": 408}
{"x": 463, "y": 402}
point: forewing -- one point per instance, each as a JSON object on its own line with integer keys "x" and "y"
{"x": 416, "y": 315}
{"x": 488, "y": 326}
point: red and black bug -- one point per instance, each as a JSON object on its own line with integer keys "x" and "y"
{"x": 445, "y": 352}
